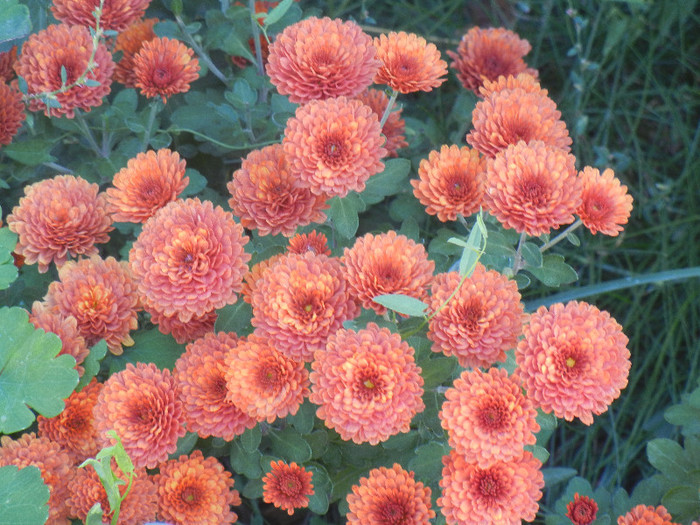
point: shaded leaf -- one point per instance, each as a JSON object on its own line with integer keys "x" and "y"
{"x": 278, "y": 12}
{"x": 554, "y": 271}
{"x": 24, "y": 496}
{"x": 323, "y": 488}
{"x": 150, "y": 346}
{"x": 91, "y": 364}
{"x": 15, "y": 24}
{"x": 667, "y": 457}
{"x": 388, "y": 182}
{"x": 8, "y": 270}
{"x": 403, "y": 304}
{"x": 30, "y": 152}
{"x": 344, "y": 214}
{"x": 427, "y": 463}
{"x": 556, "y": 475}
{"x": 235, "y": 318}
{"x": 288, "y": 444}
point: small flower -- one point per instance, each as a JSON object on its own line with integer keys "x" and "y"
{"x": 313, "y": 242}
{"x": 8, "y": 59}
{"x": 116, "y": 14}
{"x": 409, "y": 63}
{"x": 320, "y": 58}
{"x": 65, "y": 327}
{"x": 394, "y": 127}
{"x": 582, "y": 510}
{"x": 11, "y": 112}
{"x": 164, "y": 67}
{"x": 451, "y": 182}
{"x": 59, "y": 217}
{"x": 129, "y": 42}
{"x": 184, "y": 332}
{"x": 605, "y": 203}
{"x": 646, "y": 515}
{"x": 389, "y": 495}
{"x": 573, "y": 360}
{"x": 287, "y": 486}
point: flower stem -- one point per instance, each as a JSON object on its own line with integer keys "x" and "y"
{"x": 200, "y": 51}
{"x": 256, "y": 38}
{"x": 87, "y": 133}
{"x": 561, "y": 236}
{"x": 518, "y": 262}
{"x": 389, "y": 107}
{"x": 149, "y": 126}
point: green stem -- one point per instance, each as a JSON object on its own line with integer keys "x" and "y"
{"x": 58, "y": 167}
{"x": 561, "y": 236}
{"x": 221, "y": 144}
{"x": 200, "y": 51}
{"x": 87, "y": 133}
{"x": 256, "y": 39}
{"x": 149, "y": 126}
{"x": 389, "y": 107}
{"x": 518, "y": 262}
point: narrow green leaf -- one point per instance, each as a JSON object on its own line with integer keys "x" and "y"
{"x": 23, "y": 496}
{"x": 573, "y": 239}
{"x": 64, "y": 76}
{"x": 472, "y": 252}
{"x": 403, "y": 304}
{"x": 278, "y": 12}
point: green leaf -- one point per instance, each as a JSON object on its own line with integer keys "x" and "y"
{"x": 319, "y": 501}
{"x": 667, "y": 457}
{"x": 388, "y": 182}
{"x": 473, "y": 250}
{"x": 250, "y": 439}
{"x": 291, "y": 446}
{"x": 64, "y": 76}
{"x": 554, "y": 271}
{"x": 532, "y": 255}
{"x": 303, "y": 421}
{"x": 197, "y": 182}
{"x": 91, "y": 364}
{"x": 403, "y": 304}
{"x": 24, "y": 496}
{"x": 539, "y": 452}
{"x": 253, "y": 489}
{"x": 15, "y": 24}
{"x": 427, "y": 463}
{"x": 185, "y": 445}
{"x": 437, "y": 371}
{"x": 175, "y": 6}
{"x": 344, "y": 214}
{"x": 235, "y": 318}
{"x": 556, "y": 475}
{"x": 573, "y": 239}
{"x": 683, "y": 502}
{"x": 278, "y": 12}
{"x": 246, "y": 463}
{"x": 8, "y": 270}
{"x": 318, "y": 441}
{"x": 94, "y": 515}
{"x": 150, "y": 346}
{"x": 30, "y": 152}
{"x": 242, "y": 95}
{"x": 684, "y": 415}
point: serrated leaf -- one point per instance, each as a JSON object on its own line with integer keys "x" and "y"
{"x": 344, "y": 214}
{"x": 278, "y": 12}
{"x": 23, "y": 496}
{"x": 667, "y": 457}
{"x": 403, "y": 304}
{"x": 290, "y": 445}
{"x": 554, "y": 271}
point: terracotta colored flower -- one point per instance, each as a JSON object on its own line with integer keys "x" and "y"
{"x": 116, "y": 14}
{"x": 451, "y": 182}
{"x": 287, "y": 486}
{"x": 394, "y": 127}
{"x": 251, "y": 278}
{"x": 646, "y": 515}
{"x": 59, "y": 217}
{"x": 129, "y": 42}
{"x": 486, "y": 54}
{"x": 367, "y": 384}
{"x": 386, "y": 263}
{"x": 313, "y": 241}
{"x": 58, "y": 47}
{"x": 195, "y": 489}
{"x": 147, "y": 183}
{"x": 8, "y": 59}
{"x": 409, "y": 63}
{"x": 142, "y": 405}
{"x": 189, "y": 259}
{"x": 319, "y": 58}
{"x": 487, "y": 417}
{"x": 300, "y": 301}
{"x": 333, "y": 146}
{"x": 53, "y": 462}
{"x": 573, "y": 360}
{"x": 582, "y": 510}
{"x": 184, "y": 332}
{"x": 605, "y": 203}
{"x": 101, "y": 295}
{"x": 11, "y": 113}
{"x": 266, "y": 196}
{"x": 65, "y": 327}
{"x": 532, "y": 187}
{"x": 201, "y": 376}
{"x": 525, "y": 81}
{"x": 389, "y": 495}
{"x": 164, "y": 67}
{"x": 481, "y": 321}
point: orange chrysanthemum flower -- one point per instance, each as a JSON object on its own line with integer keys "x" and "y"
{"x": 486, "y": 54}
{"x": 313, "y": 242}
{"x": 333, "y": 146}
{"x": 263, "y": 382}
{"x": 532, "y": 187}
{"x": 116, "y": 14}
{"x": 184, "y": 332}
{"x": 201, "y": 376}
{"x": 581, "y": 510}
{"x": 8, "y": 59}
{"x": 129, "y": 42}
{"x": 525, "y": 81}
{"x": 386, "y": 263}
{"x": 101, "y": 295}
{"x": 646, "y": 515}
{"x": 481, "y": 321}
{"x": 487, "y": 417}
{"x": 389, "y": 495}
{"x": 251, "y": 278}
{"x": 53, "y": 462}
{"x": 195, "y": 489}
{"x": 367, "y": 384}
{"x": 319, "y": 58}
{"x": 300, "y": 301}
{"x": 573, "y": 360}
{"x": 189, "y": 259}
{"x": 394, "y": 127}
{"x": 11, "y": 112}
{"x": 59, "y": 217}
{"x": 69, "y": 48}
{"x": 65, "y": 327}
{"x": 287, "y": 486}
{"x": 164, "y": 67}
{"x": 409, "y": 63}
{"x": 605, "y": 203}
{"x": 150, "y": 181}
{"x": 141, "y": 403}
{"x": 451, "y": 182}
{"x": 266, "y": 196}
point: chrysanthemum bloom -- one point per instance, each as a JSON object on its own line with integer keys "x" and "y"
{"x": 147, "y": 183}
{"x": 129, "y": 42}
{"x": 409, "y": 63}
{"x": 313, "y": 241}
{"x": 486, "y": 54}
{"x": 201, "y": 376}
{"x": 189, "y": 259}
{"x": 164, "y": 67}
{"x": 11, "y": 112}
{"x": 394, "y": 127}
{"x": 7, "y": 64}
{"x": 582, "y": 510}
{"x": 184, "y": 332}
{"x": 487, "y": 417}
{"x": 367, "y": 384}
{"x": 605, "y": 203}
{"x": 266, "y": 196}
{"x": 59, "y": 217}
{"x": 263, "y": 382}
{"x": 141, "y": 403}
{"x": 195, "y": 489}
{"x": 451, "y": 182}
{"x": 386, "y": 263}
{"x": 525, "y": 81}
{"x": 58, "y": 47}
{"x": 481, "y": 321}
{"x": 287, "y": 486}
{"x": 532, "y": 187}
{"x": 256, "y": 271}
{"x": 300, "y": 301}
{"x": 512, "y": 115}
{"x": 573, "y": 360}
{"x": 319, "y": 58}
{"x": 116, "y": 14}
{"x": 389, "y": 495}
{"x": 646, "y": 515}
{"x": 53, "y": 462}
{"x": 65, "y": 327}
{"x": 101, "y": 295}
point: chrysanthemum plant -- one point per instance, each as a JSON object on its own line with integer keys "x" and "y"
{"x": 278, "y": 284}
